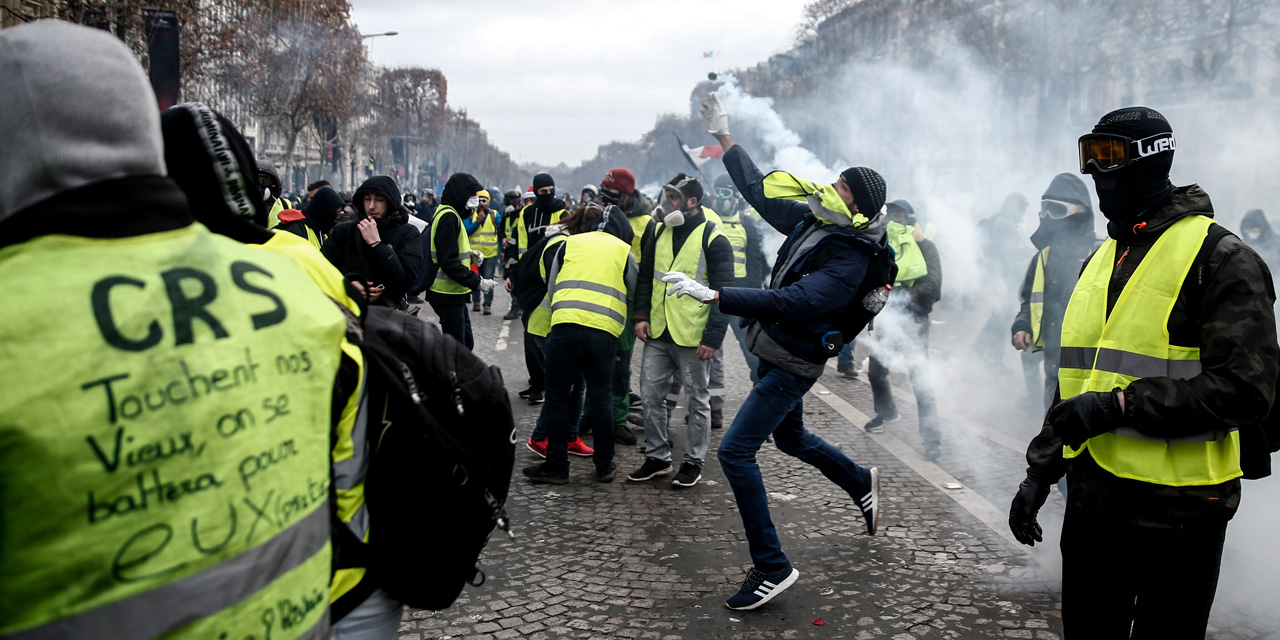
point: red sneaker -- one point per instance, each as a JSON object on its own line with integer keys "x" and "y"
{"x": 540, "y": 446}
{"x": 577, "y": 448}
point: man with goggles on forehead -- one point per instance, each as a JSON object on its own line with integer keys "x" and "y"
{"x": 1063, "y": 241}
{"x": 1168, "y": 355}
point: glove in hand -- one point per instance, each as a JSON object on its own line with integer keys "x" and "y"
{"x": 476, "y": 256}
{"x": 1026, "y": 505}
{"x": 487, "y": 285}
{"x": 717, "y": 118}
{"x": 683, "y": 285}
{"x": 1081, "y": 417}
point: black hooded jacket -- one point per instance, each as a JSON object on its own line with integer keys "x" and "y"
{"x": 460, "y": 188}
{"x": 394, "y": 263}
{"x": 1267, "y": 244}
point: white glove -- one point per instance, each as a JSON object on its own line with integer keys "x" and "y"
{"x": 553, "y": 230}
{"x": 683, "y": 285}
{"x": 487, "y": 285}
{"x": 476, "y": 256}
{"x": 717, "y": 118}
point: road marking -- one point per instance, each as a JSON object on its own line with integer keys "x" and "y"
{"x": 969, "y": 500}
{"x": 502, "y": 336}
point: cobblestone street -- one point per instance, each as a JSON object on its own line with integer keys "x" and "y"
{"x": 643, "y": 560}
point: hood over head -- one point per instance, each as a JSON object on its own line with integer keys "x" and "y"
{"x": 75, "y": 109}
{"x": 1256, "y": 219}
{"x": 214, "y": 166}
{"x": 323, "y": 209}
{"x": 615, "y": 223}
{"x": 381, "y": 186}
{"x": 460, "y": 188}
{"x": 1066, "y": 187}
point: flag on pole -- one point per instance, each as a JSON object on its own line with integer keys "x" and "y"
{"x": 698, "y": 156}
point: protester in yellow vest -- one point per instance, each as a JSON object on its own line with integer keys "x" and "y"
{"x": 186, "y": 398}
{"x": 269, "y": 182}
{"x": 590, "y": 277}
{"x": 483, "y": 232}
{"x": 1064, "y": 240}
{"x": 534, "y": 219}
{"x": 918, "y": 287}
{"x": 450, "y": 256}
{"x": 679, "y": 333}
{"x": 1168, "y": 348}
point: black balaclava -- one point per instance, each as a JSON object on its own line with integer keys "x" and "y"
{"x": 543, "y": 201}
{"x": 214, "y": 166}
{"x": 323, "y": 209}
{"x": 459, "y": 189}
{"x": 1126, "y": 195}
{"x": 1069, "y": 188}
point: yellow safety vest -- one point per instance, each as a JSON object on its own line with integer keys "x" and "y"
{"x": 639, "y": 225}
{"x": 1101, "y": 353}
{"x": 737, "y": 235}
{"x": 906, "y": 253}
{"x": 164, "y": 445}
{"x": 590, "y": 288}
{"x": 684, "y": 316}
{"x": 522, "y": 229}
{"x": 540, "y": 320}
{"x": 1037, "y": 301}
{"x": 485, "y": 237}
{"x": 273, "y": 218}
{"x": 443, "y": 283}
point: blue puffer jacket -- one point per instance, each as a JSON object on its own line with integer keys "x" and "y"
{"x": 807, "y": 302}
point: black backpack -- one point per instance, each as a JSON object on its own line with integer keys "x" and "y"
{"x": 441, "y": 451}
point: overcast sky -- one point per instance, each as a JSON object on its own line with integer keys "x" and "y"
{"x": 551, "y": 80}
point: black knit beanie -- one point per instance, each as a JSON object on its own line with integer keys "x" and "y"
{"x": 868, "y": 189}
{"x": 541, "y": 180}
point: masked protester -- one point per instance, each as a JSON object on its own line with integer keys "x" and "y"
{"x": 1168, "y": 350}
{"x": 1064, "y": 240}
{"x": 484, "y": 233}
{"x": 427, "y": 205}
{"x": 1257, "y": 233}
{"x": 533, "y": 222}
{"x": 269, "y": 182}
{"x": 817, "y": 282}
{"x": 114, "y": 290}
{"x": 380, "y": 253}
{"x": 448, "y": 278}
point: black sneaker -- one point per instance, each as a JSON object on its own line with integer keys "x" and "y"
{"x": 717, "y": 422}
{"x": 761, "y": 587}
{"x": 651, "y": 469}
{"x": 869, "y": 503}
{"x": 607, "y": 476}
{"x": 636, "y": 417}
{"x": 634, "y": 399}
{"x": 512, "y": 314}
{"x": 932, "y": 452}
{"x": 622, "y": 435}
{"x": 876, "y": 424}
{"x": 525, "y": 393}
{"x": 539, "y": 475}
{"x": 689, "y": 475}
{"x": 535, "y": 397}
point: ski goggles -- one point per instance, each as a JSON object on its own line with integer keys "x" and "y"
{"x": 725, "y": 192}
{"x": 1057, "y": 210}
{"x": 1107, "y": 152}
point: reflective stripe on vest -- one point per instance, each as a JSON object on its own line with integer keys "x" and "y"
{"x": 1037, "y": 301}
{"x": 906, "y": 254}
{"x": 1101, "y": 353}
{"x": 684, "y": 316}
{"x": 183, "y": 397}
{"x": 737, "y": 235}
{"x": 485, "y": 237}
{"x": 540, "y": 319}
{"x": 522, "y": 229}
{"x": 443, "y": 283}
{"x": 589, "y": 287}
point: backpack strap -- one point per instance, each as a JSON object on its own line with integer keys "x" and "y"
{"x": 1199, "y": 272}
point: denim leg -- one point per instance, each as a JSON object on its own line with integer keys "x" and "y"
{"x": 655, "y": 377}
{"x": 846, "y": 355}
{"x": 770, "y": 401}
{"x": 486, "y": 271}
{"x": 794, "y": 440}
{"x": 697, "y": 375}
{"x": 753, "y": 361}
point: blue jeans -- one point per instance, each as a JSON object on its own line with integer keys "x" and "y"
{"x": 575, "y": 353}
{"x": 539, "y": 430}
{"x": 486, "y": 271}
{"x": 775, "y": 406}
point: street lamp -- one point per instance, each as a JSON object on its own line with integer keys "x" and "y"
{"x": 374, "y": 35}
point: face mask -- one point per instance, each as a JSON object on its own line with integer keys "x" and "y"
{"x": 544, "y": 200}
{"x": 671, "y": 219}
{"x": 1252, "y": 234}
{"x": 266, "y": 194}
{"x": 473, "y": 203}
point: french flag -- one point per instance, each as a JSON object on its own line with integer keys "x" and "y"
{"x": 698, "y": 156}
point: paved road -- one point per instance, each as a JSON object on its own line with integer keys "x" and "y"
{"x": 629, "y": 560}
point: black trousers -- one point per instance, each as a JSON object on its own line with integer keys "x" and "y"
{"x": 455, "y": 321}
{"x": 1122, "y": 581}
{"x": 575, "y": 352}
{"x": 535, "y": 359}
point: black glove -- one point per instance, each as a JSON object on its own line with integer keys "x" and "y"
{"x": 1026, "y": 504}
{"x": 1084, "y": 416}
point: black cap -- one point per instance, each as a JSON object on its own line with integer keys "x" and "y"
{"x": 541, "y": 180}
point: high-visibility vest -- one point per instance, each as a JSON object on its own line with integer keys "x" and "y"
{"x": 539, "y": 323}
{"x": 1037, "y": 301}
{"x": 906, "y": 254}
{"x": 684, "y": 316}
{"x": 1101, "y": 353}
{"x": 443, "y": 283}
{"x": 711, "y": 215}
{"x": 349, "y": 458}
{"x": 166, "y": 451}
{"x": 273, "y": 217}
{"x": 737, "y": 235}
{"x": 522, "y": 229}
{"x": 639, "y": 224}
{"x": 485, "y": 237}
{"x": 589, "y": 287}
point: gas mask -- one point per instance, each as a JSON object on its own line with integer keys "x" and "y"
{"x": 473, "y": 203}
{"x": 1252, "y": 234}
{"x": 670, "y": 212}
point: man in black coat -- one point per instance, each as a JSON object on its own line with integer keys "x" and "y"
{"x": 380, "y": 252}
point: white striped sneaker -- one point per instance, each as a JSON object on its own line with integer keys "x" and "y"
{"x": 869, "y": 502}
{"x": 761, "y": 587}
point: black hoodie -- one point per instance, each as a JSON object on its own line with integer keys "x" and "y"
{"x": 457, "y": 191}
{"x": 1072, "y": 240}
{"x": 1267, "y": 244}
{"x": 394, "y": 263}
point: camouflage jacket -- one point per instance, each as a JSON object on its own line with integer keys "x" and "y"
{"x": 1225, "y": 309}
